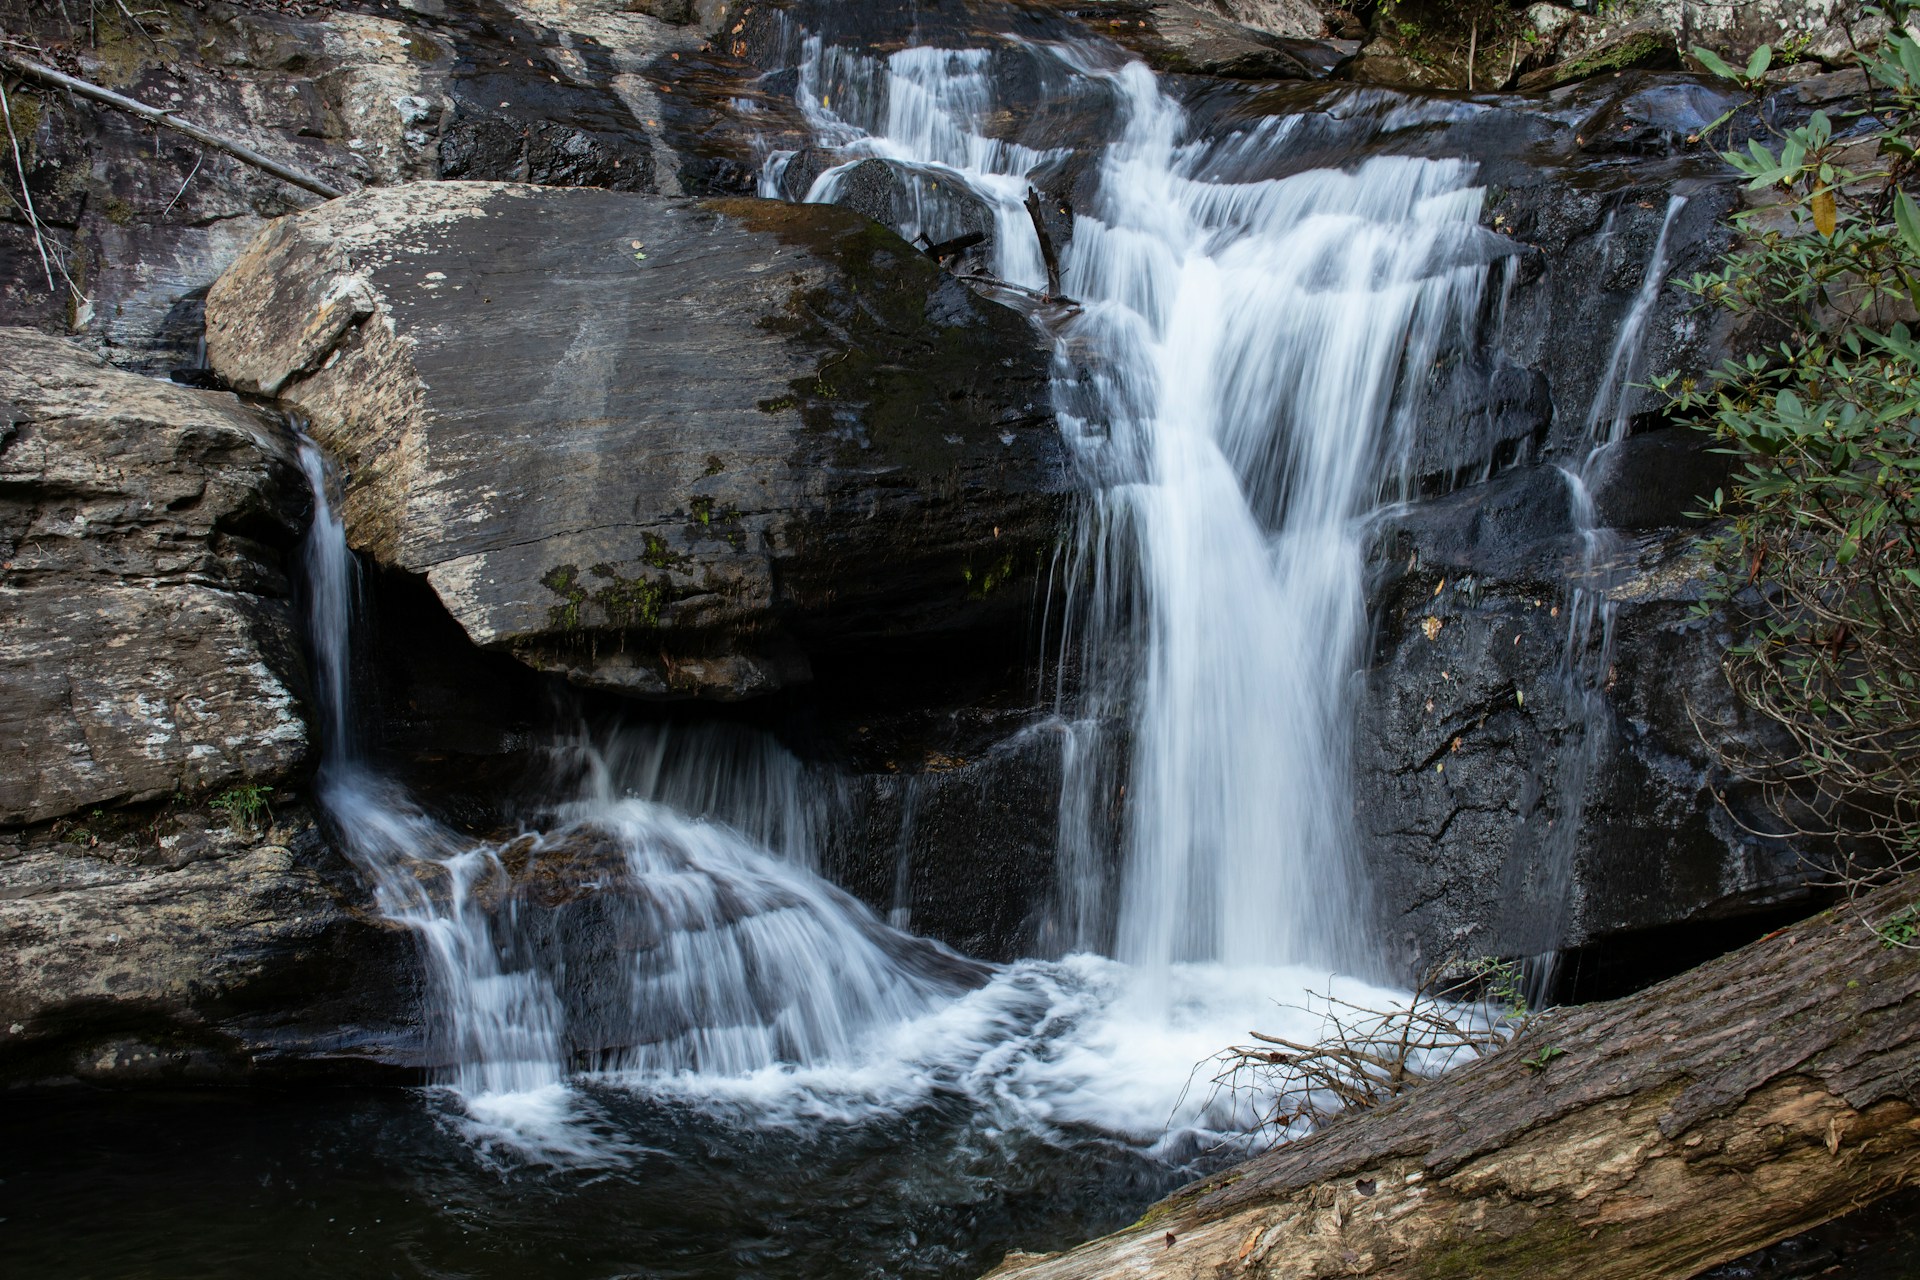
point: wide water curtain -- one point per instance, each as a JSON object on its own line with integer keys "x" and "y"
{"x": 1235, "y": 385}
{"x": 1254, "y": 332}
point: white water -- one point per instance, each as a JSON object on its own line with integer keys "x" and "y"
{"x": 922, "y": 111}
{"x": 1243, "y": 405}
{"x": 717, "y": 969}
{"x": 1254, "y": 335}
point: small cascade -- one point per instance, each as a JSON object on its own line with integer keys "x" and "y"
{"x": 1587, "y": 660}
{"x": 644, "y": 931}
{"x": 922, "y": 111}
{"x": 501, "y": 1026}
{"x": 658, "y": 930}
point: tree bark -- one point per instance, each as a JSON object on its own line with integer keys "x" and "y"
{"x": 1742, "y": 1102}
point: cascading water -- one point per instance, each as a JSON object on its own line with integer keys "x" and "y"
{"x": 1234, "y": 379}
{"x": 1234, "y": 386}
{"x": 661, "y": 930}
{"x": 1588, "y": 656}
{"x": 1263, "y": 326}
{"x": 921, "y": 115}
{"x": 710, "y": 955}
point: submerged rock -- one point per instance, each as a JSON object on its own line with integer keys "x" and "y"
{"x": 662, "y": 447}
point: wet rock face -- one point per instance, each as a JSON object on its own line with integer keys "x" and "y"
{"x": 1535, "y": 784}
{"x": 1239, "y": 39}
{"x": 149, "y": 644}
{"x": 960, "y": 845}
{"x": 664, "y": 448}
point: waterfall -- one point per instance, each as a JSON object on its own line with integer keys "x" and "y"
{"x": 1587, "y": 659}
{"x": 1233, "y": 383}
{"x": 658, "y": 928}
{"x": 696, "y": 948}
{"x": 503, "y": 1024}
{"x": 1242, "y": 355}
{"x": 1253, "y": 334}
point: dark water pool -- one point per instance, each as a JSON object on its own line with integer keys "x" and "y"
{"x": 209, "y": 1184}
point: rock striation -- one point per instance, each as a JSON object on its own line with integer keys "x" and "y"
{"x": 148, "y": 643}
{"x": 665, "y": 448}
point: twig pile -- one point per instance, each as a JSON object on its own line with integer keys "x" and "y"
{"x": 1367, "y": 1056}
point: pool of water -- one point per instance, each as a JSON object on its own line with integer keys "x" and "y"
{"x": 214, "y": 1184}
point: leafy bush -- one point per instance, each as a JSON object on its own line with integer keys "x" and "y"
{"x": 1818, "y": 552}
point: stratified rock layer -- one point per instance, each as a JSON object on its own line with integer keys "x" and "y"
{"x": 171, "y": 946}
{"x": 663, "y": 447}
{"x": 168, "y": 909}
{"x": 147, "y": 636}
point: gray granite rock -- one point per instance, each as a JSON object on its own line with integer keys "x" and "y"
{"x": 666, "y": 448}
{"x": 148, "y": 641}
{"x": 171, "y": 946}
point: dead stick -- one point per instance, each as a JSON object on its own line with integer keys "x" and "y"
{"x": 240, "y": 151}
{"x": 1047, "y": 255}
{"x": 1473, "y": 51}
{"x": 26, "y": 193}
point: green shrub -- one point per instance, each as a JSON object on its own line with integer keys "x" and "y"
{"x": 244, "y": 805}
{"x": 1818, "y": 546}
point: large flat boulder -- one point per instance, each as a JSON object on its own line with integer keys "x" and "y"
{"x": 665, "y": 447}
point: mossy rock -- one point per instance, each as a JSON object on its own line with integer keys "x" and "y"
{"x": 1652, "y": 50}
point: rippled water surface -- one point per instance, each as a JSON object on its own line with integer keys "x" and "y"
{"x": 379, "y": 1183}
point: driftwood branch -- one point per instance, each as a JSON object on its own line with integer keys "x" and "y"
{"x": 1047, "y": 253}
{"x": 1649, "y": 1138}
{"x": 26, "y": 192}
{"x": 948, "y": 248}
{"x": 166, "y": 119}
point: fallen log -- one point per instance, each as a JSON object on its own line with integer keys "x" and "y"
{"x": 1742, "y": 1102}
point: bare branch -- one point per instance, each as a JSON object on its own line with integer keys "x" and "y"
{"x": 166, "y": 119}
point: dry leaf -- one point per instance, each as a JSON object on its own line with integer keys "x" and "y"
{"x": 1825, "y": 215}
